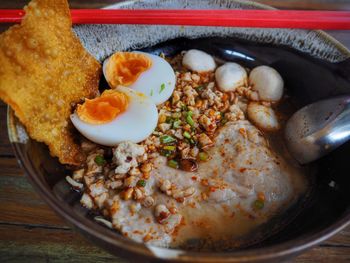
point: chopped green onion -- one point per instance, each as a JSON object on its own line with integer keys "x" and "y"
{"x": 167, "y": 139}
{"x": 193, "y": 142}
{"x": 184, "y": 108}
{"x": 176, "y": 124}
{"x": 169, "y": 119}
{"x": 189, "y": 113}
{"x": 200, "y": 88}
{"x": 162, "y": 87}
{"x": 258, "y": 204}
{"x": 187, "y": 135}
{"x": 99, "y": 160}
{"x": 170, "y": 147}
{"x": 203, "y": 156}
{"x": 141, "y": 183}
{"x": 151, "y": 93}
{"x": 165, "y": 153}
{"x": 173, "y": 164}
{"x": 189, "y": 120}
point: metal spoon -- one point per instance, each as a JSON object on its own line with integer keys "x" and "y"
{"x": 318, "y": 128}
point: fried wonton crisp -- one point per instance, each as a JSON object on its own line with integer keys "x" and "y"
{"x": 44, "y": 71}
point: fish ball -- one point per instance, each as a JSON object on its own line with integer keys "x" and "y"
{"x": 262, "y": 116}
{"x": 198, "y": 61}
{"x": 230, "y": 76}
{"x": 267, "y": 82}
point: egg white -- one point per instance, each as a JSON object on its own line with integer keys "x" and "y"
{"x": 135, "y": 124}
{"x": 150, "y": 81}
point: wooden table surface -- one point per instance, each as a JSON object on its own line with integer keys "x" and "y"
{"x": 31, "y": 232}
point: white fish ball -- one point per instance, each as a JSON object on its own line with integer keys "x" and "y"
{"x": 262, "y": 116}
{"x": 198, "y": 61}
{"x": 230, "y": 76}
{"x": 267, "y": 82}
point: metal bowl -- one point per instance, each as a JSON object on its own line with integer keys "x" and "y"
{"x": 313, "y": 65}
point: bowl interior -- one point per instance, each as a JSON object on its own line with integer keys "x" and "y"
{"x": 307, "y": 79}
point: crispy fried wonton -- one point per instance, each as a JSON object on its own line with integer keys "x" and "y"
{"x": 44, "y": 69}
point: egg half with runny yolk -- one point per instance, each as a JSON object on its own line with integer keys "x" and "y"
{"x": 143, "y": 72}
{"x": 118, "y": 115}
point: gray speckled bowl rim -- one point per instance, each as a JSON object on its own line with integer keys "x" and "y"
{"x": 283, "y": 250}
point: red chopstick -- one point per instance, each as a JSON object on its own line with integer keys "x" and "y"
{"x": 230, "y": 18}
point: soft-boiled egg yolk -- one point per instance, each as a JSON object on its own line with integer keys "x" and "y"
{"x": 136, "y": 117}
{"x": 147, "y": 73}
{"x": 104, "y": 108}
{"x": 124, "y": 68}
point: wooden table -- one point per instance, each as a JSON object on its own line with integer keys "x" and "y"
{"x": 30, "y": 231}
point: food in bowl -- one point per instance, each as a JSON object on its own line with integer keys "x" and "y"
{"x": 178, "y": 149}
{"x": 205, "y": 170}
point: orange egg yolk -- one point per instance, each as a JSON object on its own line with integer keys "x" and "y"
{"x": 103, "y": 109}
{"x": 124, "y": 68}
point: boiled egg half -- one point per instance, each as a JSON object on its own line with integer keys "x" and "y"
{"x": 118, "y": 115}
{"x": 143, "y": 72}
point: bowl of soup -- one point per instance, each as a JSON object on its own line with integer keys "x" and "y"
{"x": 186, "y": 159}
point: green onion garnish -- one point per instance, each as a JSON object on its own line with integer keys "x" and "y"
{"x": 189, "y": 113}
{"x": 162, "y": 87}
{"x": 187, "y": 135}
{"x": 184, "y": 108}
{"x": 141, "y": 183}
{"x": 151, "y": 93}
{"x": 167, "y": 139}
{"x": 203, "y": 156}
{"x": 99, "y": 160}
{"x": 200, "y": 88}
{"x": 193, "y": 142}
{"x": 170, "y": 147}
{"x": 165, "y": 153}
{"x": 189, "y": 120}
{"x": 258, "y": 204}
{"x": 173, "y": 164}
{"x": 169, "y": 119}
{"x": 176, "y": 124}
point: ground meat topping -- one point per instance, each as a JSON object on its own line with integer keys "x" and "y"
{"x": 125, "y": 156}
{"x": 161, "y": 212}
{"x": 189, "y": 120}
